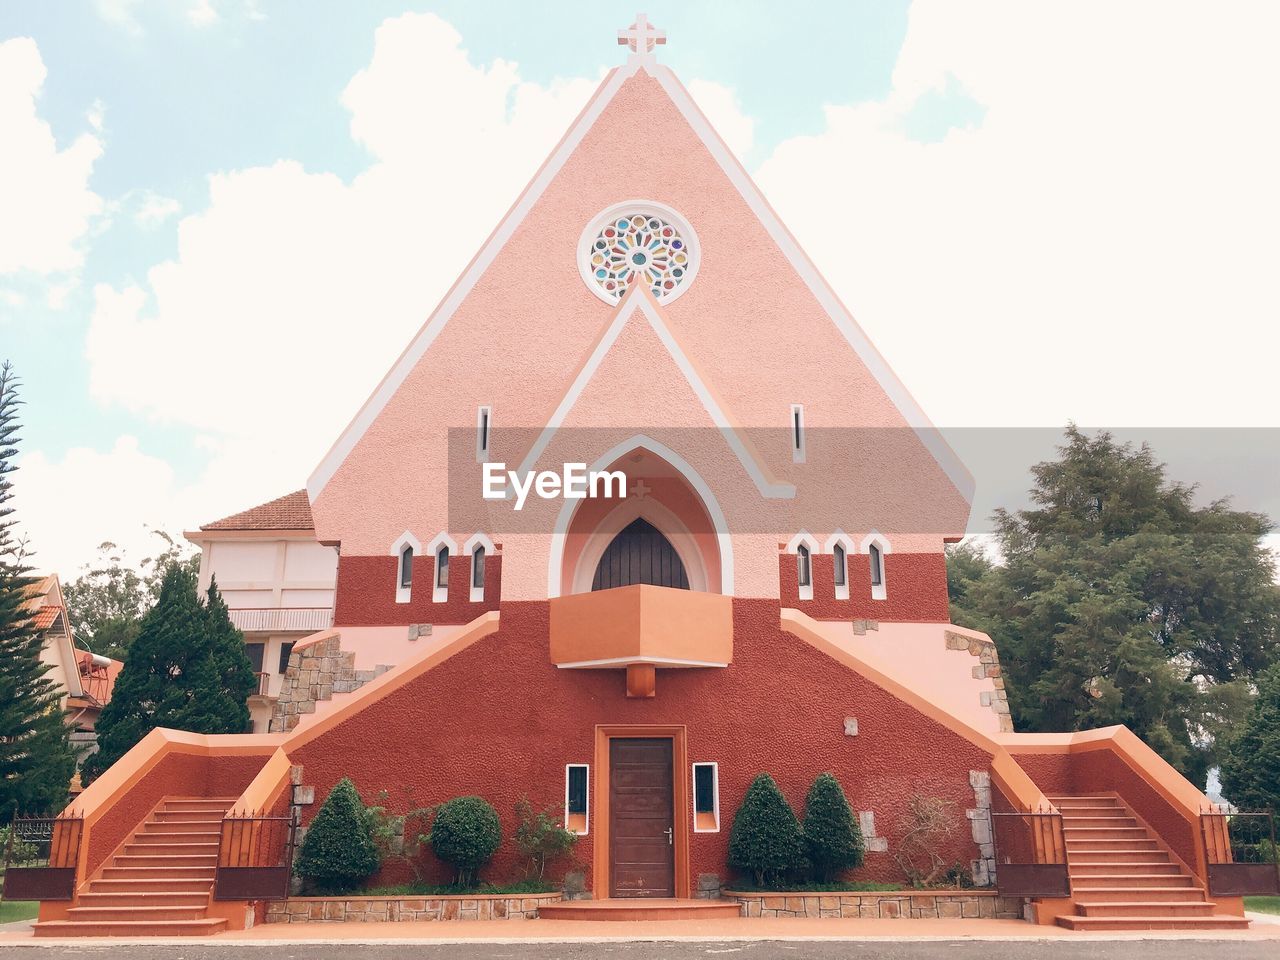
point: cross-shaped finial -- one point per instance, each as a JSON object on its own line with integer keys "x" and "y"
{"x": 642, "y": 36}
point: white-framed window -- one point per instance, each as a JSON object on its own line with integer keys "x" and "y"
{"x": 797, "y": 433}
{"x": 875, "y": 547}
{"x": 404, "y": 550}
{"x": 804, "y": 546}
{"x": 484, "y": 422}
{"x": 479, "y": 548}
{"x": 577, "y": 798}
{"x": 706, "y": 797}
{"x": 441, "y": 549}
{"x": 840, "y": 546}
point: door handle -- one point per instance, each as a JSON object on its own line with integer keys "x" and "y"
{"x": 670, "y": 839}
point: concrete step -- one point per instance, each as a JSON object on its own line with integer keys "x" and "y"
{"x": 203, "y": 872}
{"x": 640, "y": 908}
{"x": 1073, "y": 833}
{"x": 170, "y": 850}
{"x": 1139, "y": 894}
{"x": 197, "y": 814}
{"x": 1148, "y": 881}
{"x": 163, "y": 860}
{"x": 1158, "y": 908}
{"x": 1215, "y": 922}
{"x": 201, "y": 885}
{"x": 143, "y": 898}
{"x": 117, "y": 914}
{"x": 1076, "y": 823}
{"x": 1118, "y": 845}
{"x": 130, "y": 928}
{"x": 205, "y": 825}
{"x": 1088, "y": 858}
{"x": 168, "y": 839}
{"x": 1089, "y": 801}
{"x": 1117, "y": 868}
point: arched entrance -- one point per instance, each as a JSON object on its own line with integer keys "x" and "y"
{"x": 640, "y": 554}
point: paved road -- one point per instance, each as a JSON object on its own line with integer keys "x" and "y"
{"x": 961, "y": 950}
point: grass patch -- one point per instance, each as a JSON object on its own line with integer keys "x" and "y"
{"x": 452, "y": 890}
{"x": 838, "y": 886}
{"x": 11, "y": 911}
{"x": 1263, "y": 904}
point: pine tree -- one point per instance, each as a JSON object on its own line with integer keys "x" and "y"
{"x": 765, "y": 840}
{"x": 36, "y": 759}
{"x": 1251, "y": 767}
{"x": 186, "y": 670}
{"x": 832, "y": 835}
{"x": 338, "y": 852}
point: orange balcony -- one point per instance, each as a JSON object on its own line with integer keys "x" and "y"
{"x": 641, "y": 628}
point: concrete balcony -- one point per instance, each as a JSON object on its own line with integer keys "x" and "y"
{"x": 282, "y": 619}
{"x": 641, "y": 628}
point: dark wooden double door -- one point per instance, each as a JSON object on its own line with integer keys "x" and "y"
{"x": 641, "y": 818}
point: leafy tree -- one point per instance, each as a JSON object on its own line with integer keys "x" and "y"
{"x": 187, "y": 670}
{"x": 540, "y": 837}
{"x": 1251, "y": 766}
{"x": 338, "y": 852}
{"x": 105, "y": 604}
{"x": 36, "y": 759}
{"x": 466, "y": 833}
{"x": 1119, "y": 601}
{"x": 832, "y": 835}
{"x": 765, "y": 840}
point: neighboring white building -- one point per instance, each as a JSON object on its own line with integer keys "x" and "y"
{"x": 277, "y": 580}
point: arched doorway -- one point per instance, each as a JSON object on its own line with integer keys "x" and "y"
{"x": 640, "y": 554}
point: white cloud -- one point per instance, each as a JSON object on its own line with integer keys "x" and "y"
{"x": 119, "y": 13}
{"x": 201, "y": 13}
{"x": 1102, "y": 245}
{"x": 292, "y": 292}
{"x": 720, "y": 104}
{"x": 152, "y": 209}
{"x": 46, "y": 206}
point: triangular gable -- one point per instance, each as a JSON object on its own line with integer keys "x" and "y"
{"x": 741, "y": 181}
{"x": 639, "y": 305}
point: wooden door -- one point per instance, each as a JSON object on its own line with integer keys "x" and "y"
{"x": 641, "y": 818}
{"x": 640, "y": 554}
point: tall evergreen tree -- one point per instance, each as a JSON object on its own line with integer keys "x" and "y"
{"x": 186, "y": 670}
{"x": 1251, "y": 767}
{"x": 1118, "y": 600}
{"x": 36, "y": 759}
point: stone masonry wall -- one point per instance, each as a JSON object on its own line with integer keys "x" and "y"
{"x": 988, "y": 665}
{"x": 315, "y": 673}
{"x": 896, "y": 905}
{"x": 404, "y": 909}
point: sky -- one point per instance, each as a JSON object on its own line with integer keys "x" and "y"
{"x": 222, "y": 220}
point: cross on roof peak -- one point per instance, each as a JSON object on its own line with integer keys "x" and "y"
{"x": 642, "y": 36}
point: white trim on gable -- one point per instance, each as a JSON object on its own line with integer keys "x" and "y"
{"x": 733, "y": 169}
{"x": 641, "y": 300}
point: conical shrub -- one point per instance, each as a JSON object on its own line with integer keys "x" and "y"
{"x": 765, "y": 842}
{"x": 832, "y": 836}
{"x": 338, "y": 853}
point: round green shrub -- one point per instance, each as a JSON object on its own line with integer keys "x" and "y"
{"x": 766, "y": 841}
{"x": 338, "y": 853}
{"x": 832, "y": 836}
{"x": 465, "y": 833}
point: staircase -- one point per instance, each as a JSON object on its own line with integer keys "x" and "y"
{"x": 1122, "y": 878}
{"x": 159, "y": 884}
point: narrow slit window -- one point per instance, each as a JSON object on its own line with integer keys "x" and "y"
{"x": 477, "y": 568}
{"x": 797, "y": 433}
{"x": 877, "y": 565}
{"x": 482, "y": 434}
{"x": 804, "y": 572}
{"x": 706, "y": 798}
{"x": 406, "y": 567}
{"x": 841, "y": 563}
{"x": 576, "y": 798}
{"x": 442, "y": 567}
{"x": 285, "y": 650}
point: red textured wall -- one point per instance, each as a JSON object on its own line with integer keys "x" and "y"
{"x": 366, "y": 592}
{"x": 499, "y": 720}
{"x": 915, "y": 588}
{"x": 1051, "y": 772}
{"x": 177, "y": 775}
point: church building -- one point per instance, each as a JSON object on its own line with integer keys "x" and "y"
{"x": 639, "y": 514}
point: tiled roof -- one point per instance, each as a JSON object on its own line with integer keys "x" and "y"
{"x": 290, "y": 512}
{"x": 47, "y": 616}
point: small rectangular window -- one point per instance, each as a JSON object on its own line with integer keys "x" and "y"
{"x": 483, "y": 417}
{"x": 285, "y": 650}
{"x": 803, "y": 573}
{"x": 841, "y": 565}
{"x": 706, "y": 797}
{"x": 576, "y": 798}
{"x": 877, "y": 565}
{"x": 797, "y": 433}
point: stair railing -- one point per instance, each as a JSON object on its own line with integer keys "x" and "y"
{"x": 1030, "y": 849}
{"x": 1240, "y": 852}
{"x": 255, "y": 857}
{"x": 40, "y": 857}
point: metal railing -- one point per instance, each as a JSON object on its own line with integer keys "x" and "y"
{"x": 1030, "y": 850}
{"x": 282, "y": 619}
{"x": 255, "y": 857}
{"x": 264, "y": 684}
{"x": 40, "y": 857}
{"x": 1240, "y": 853}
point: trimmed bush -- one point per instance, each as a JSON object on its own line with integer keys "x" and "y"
{"x": 465, "y": 833}
{"x": 338, "y": 854}
{"x": 765, "y": 842}
{"x": 832, "y": 836}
